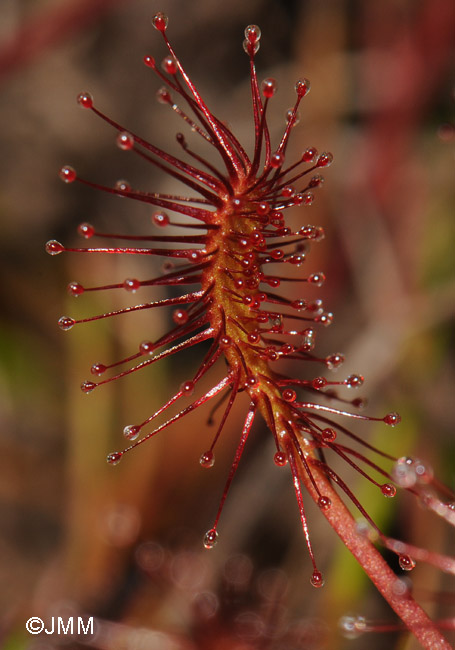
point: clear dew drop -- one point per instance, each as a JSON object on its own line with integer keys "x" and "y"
{"x": 268, "y": 87}
{"x": 280, "y": 459}
{"x": 326, "y": 318}
{"x": 187, "y": 387}
{"x": 87, "y": 386}
{"x": 75, "y": 289}
{"x": 149, "y": 61}
{"x": 67, "y": 174}
{"x": 65, "y": 323}
{"x": 160, "y": 219}
{"x": 388, "y": 490}
{"x": 263, "y": 208}
{"x": 406, "y": 562}
{"x": 253, "y": 337}
{"x": 54, "y": 247}
{"x": 85, "y": 100}
{"x": 292, "y": 118}
{"x": 169, "y": 65}
{"x": 307, "y": 198}
{"x": 317, "y": 579}
{"x": 197, "y": 255}
{"x": 317, "y": 279}
{"x": 207, "y": 459}
{"x": 319, "y": 382}
{"x": 86, "y": 230}
{"x": 309, "y": 154}
{"x": 160, "y": 21}
{"x": 131, "y": 432}
{"x": 309, "y": 232}
{"x": 98, "y": 369}
{"x": 131, "y": 284}
{"x": 276, "y": 160}
{"x": 163, "y": 96}
{"x": 210, "y": 538}
{"x": 334, "y": 361}
{"x": 325, "y": 159}
{"x": 329, "y": 434}
{"x": 114, "y": 458}
{"x": 289, "y": 395}
{"x": 277, "y": 253}
{"x": 252, "y": 33}
{"x": 270, "y": 353}
{"x": 302, "y": 87}
{"x": 324, "y": 502}
{"x": 316, "y": 181}
{"x": 146, "y": 347}
{"x": 180, "y": 316}
{"x": 392, "y": 419}
{"x": 354, "y": 381}
{"x": 252, "y": 47}
{"x": 125, "y": 141}
{"x": 251, "y": 382}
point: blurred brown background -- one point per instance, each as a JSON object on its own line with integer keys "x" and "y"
{"x": 124, "y": 544}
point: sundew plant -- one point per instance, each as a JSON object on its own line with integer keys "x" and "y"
{"x": 232, "y": 270}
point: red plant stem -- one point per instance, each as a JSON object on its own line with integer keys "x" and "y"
{"x": 370, "y": 559}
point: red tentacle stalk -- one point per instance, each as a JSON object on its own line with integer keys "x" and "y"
{"x": 211, "y": 536}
